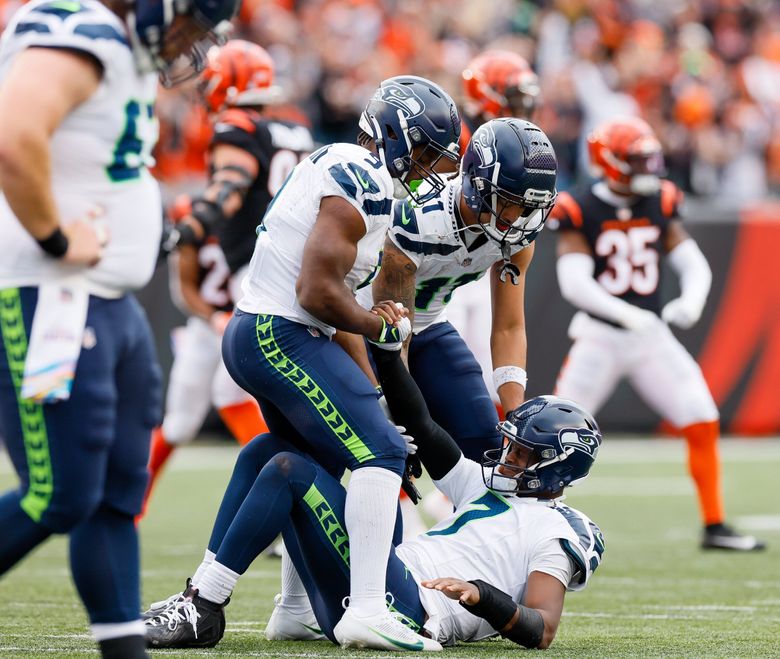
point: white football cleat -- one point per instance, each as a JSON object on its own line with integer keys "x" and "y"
{"x": 381, "y": 632}
{"x": 284, "y": 625}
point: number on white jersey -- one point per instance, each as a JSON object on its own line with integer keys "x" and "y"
{"x": 213, "y": 289}
{"x": 633, "y": 263}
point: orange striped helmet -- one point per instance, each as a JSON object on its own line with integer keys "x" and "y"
{"x": 238, "y": 73}
{"x": 500, "y": 83}
{"x": 627, "y": 154}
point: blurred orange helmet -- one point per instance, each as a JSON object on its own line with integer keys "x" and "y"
{"x": 238, "y": 73}
{"x": 626, "y": 153}
{"x": 500, "y": 83}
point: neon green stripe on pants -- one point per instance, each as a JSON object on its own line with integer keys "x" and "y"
{"x": 36, "y": 441}
{"x": 307, "y": 386}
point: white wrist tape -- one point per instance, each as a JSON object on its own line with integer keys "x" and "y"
{"x": 504, "y": 374}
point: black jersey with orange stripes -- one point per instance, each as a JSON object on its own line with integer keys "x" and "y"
{"x": 627, "y": 242}
{"x": 278, "y": 146}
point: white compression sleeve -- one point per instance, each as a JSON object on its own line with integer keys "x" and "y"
{"x": 575, "y": 278}
{"x": 687, "y": 260}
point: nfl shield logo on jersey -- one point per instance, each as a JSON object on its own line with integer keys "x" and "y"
{"x": 580, "y": 439}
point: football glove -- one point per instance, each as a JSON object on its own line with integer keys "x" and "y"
{"x": 392, "y": 337}
{"x": 681, "y": 313}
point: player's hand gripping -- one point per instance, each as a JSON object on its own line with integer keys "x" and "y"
{"x": 86, "y": 239}
{"x": 396, "y": 326}
{"x": 455, "y": 589}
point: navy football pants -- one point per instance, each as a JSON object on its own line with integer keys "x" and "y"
{"x": 311, "y": 393}
{"x": 450, "y": 380}
{"x": 82, "y": 462}
{"x": 276, "y": 488}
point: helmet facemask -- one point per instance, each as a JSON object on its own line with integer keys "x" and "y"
{"x": 513, "y": 220}
{"x": 173, "y": 39}
{"x": 501, "y": 473}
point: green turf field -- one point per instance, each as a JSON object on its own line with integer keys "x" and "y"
{"x": 655, "y": 595}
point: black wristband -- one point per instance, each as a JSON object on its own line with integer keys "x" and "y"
{"x": 209, "y": 213}
{"x": 498, "y": 609}
{"x": 494, "y": 605}
{"x": 55, "y": 245}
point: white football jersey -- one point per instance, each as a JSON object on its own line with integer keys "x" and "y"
{"x": 339, "y": 170}
{"x": 445, "y": 257}
{"x": 100, "y": 153}
{"x": 501, "y": 540}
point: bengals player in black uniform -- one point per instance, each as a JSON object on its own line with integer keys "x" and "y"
{"x": 611, "y": 239}
{"x": 250, "y": 156}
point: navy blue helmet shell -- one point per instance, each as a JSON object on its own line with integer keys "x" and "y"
{"x": 407, "y": 112}
{"x": 509, "y": 163}
{"x": 564, "y": 440}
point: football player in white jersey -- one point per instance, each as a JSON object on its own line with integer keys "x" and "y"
{"x": 496, "y": 83}
{"x": 80, "y": 228}
{"x": 321, "y": 240}
{"x": 500, "y": 564}
{"x": 483, "y": 222}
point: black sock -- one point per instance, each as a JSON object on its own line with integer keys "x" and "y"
{"x": 124, "y": 647}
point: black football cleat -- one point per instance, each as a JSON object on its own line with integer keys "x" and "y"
{"x": 193, "y": 622}
{"x": 156, "y": 608}
{"x": 721, "y": 536}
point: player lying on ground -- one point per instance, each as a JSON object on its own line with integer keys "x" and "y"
{"x": 501, "y": 563}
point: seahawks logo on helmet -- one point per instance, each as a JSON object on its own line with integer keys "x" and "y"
{"x": 401, "y": 97}
{"x": 484, "y": 145}
{"x": 580, "y": 439}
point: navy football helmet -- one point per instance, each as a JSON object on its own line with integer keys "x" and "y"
{"x": 406, "y": 112}
{"x": 563, "y": 439}
{"x": 173, "y": 36}
{"x": 510, "y": 166}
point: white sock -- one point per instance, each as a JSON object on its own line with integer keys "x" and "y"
{"x": 104, "y": 631}
{"x": 217, "y": 583}
{"x": 294, "y": 597}
{"x": 371, "y": 506}
{"x": 208, "y": 559}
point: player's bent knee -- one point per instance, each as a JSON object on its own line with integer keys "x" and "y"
{"x": 257, "y": 453}
{"x": 64, "y": 514}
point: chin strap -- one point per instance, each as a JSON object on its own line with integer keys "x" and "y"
{"x": 508, "y": 268}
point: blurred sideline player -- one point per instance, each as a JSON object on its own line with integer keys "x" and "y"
{"x": 200, "y": 287}
{"x": 501, "y": 564}
{"x": 611, "y": 239}
{"x": 80, "y": 229}
{"x": 496, "y": 83}
{"x": 250, "y": 157}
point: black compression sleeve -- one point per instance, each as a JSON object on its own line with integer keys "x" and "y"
{"x": 436, "y": 449}
{"x": 498, "y": 609}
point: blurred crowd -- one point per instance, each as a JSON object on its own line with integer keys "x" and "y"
{"x": 704, "y": 73}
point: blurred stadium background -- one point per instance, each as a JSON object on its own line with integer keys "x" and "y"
{"x": 704, "y": 73}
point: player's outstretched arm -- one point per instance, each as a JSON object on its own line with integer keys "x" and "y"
{"x": 508, "y": 343}
{"x": 532, "y": 625}
{"x": 436, "y": 449}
